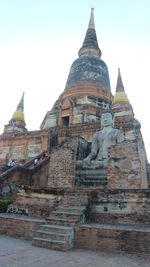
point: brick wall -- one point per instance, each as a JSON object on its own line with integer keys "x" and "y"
{"x": 120, "y": 206}
{"x": 113, "y": 240}
{"x": 37, "y": 204}
{"x": 127, "y": 166}
{"x": 19, "y": 226}
{"x": 75, "y": 198}
{"x": 84, "y": 130}
{"x": 22, "y": 146}
{"x": 61, "y": 168}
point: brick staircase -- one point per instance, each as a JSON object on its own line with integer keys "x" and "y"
{"x": 91, "y": 177}
{"x": 58, "y": 232}
{"x": 67, "y": 216}
{"x": 57, "y": 237}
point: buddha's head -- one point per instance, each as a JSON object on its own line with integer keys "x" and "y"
{"x": 107, "y": 119}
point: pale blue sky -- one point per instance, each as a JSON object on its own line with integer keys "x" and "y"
{"x": 34, "y": 17}
{"x": 40, "y": 39}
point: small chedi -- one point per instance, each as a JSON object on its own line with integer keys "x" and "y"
{"x": 83, "y": 179}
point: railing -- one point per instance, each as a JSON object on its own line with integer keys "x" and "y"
{"x": 25, "y": 167}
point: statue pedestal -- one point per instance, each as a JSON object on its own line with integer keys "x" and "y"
{"x": 93, "y": 175}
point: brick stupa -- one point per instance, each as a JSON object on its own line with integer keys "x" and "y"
{"x": 57, "y": 201}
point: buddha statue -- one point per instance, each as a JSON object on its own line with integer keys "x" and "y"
{"x": 101, "y": 141}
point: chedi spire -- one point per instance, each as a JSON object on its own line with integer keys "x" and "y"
{"x": 90, "y": 44}
{"x": 17, "y": 122}
{"x": 120, "y": 95}
{"x": 21, "y": 104}
{"x": 119, "y": 87}
{"x": 89, "y": 67}
{"x": 19, "y": 113}
{"x": 91, "y": 22}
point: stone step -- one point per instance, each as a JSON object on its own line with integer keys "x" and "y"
{"x": 92, "y": 182}
{"x": 87, "y": 177}
{"x": 71, "y": 209}
{"x": 62, "y": 221}
{"x": 91, "y": 178}
{"x": 64, "y": 214}
{"x": 56, "y": 228}
{"x": 51, "y": 244}
{"x": 52, "y": 235}
{"x": 96, "y": 172}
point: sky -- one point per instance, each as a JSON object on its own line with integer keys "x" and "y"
{"x": 40, "y": 39}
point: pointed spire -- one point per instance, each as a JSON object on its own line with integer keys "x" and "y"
{"x": 17, "y": 122}
{"x": 19, "y": 113}
{"x": 20, "y": 106}
{"x": 119, "y": 87}
{"x": 91, "y": 22}
{"x": 90, "y": 44}
{"x": 120, "y": 95}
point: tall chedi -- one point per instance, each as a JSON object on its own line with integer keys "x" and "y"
{"x": 87, "y": 92}
{"x": 17, "y": 122}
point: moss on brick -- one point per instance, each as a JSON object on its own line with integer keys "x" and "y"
{"x": 4, "y": 204}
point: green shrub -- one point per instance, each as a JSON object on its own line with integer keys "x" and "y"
{"x": 4, "y": 204}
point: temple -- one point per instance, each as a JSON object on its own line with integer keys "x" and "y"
{"x": 83, "y": 179}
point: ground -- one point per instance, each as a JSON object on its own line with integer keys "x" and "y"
{"x": 21, "y": 253}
